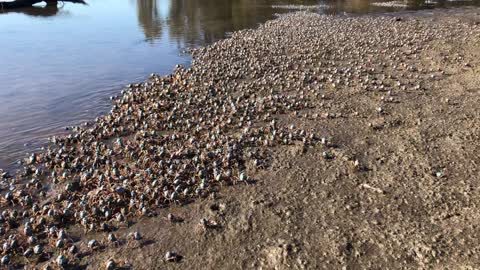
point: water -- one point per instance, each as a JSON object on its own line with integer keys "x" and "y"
{"x": 59, "y": 63}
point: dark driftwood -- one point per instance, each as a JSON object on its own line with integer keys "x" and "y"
{"x": 29, "y": 3}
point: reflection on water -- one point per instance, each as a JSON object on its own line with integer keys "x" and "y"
{"x": 149, "y": 18}
{"x": 60, "y": 63}
{"x": 195, "y": 23}
{"x": 199, "y": 22}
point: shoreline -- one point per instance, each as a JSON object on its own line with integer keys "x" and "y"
{"x": 11, "y": 165}
{"x": 292, "y": 132}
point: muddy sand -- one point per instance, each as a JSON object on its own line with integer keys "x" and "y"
{"x": 388, "y": 179}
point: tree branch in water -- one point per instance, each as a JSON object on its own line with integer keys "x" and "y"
{"x": 29, "y": 3}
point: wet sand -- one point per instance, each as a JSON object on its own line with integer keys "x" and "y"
{"x": 311, "y": 142}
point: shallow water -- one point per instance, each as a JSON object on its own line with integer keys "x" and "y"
{"x": 60, "y": 63}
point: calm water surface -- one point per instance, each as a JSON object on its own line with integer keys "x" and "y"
{"x": 60, "y": 63}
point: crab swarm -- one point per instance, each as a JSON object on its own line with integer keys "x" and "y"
{"x": 175, "y": 138}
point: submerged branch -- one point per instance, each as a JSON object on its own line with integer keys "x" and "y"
{"x": 29, "y": 3}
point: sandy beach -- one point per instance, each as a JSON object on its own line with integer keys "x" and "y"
{"x": 311, "y": 142}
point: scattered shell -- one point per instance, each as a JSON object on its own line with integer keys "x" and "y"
{"x": 73, "y": 249}
{"x": 61, "y": 260}
{"x": 5, "y": 260}
{"x": 92, "y": 243}
{"x": 171, "y": 256}
{"x": 135, "y": 236}
{"x": 38, "y": 249}
{"x": 172, "y": 139}
{"x": 112, "y": 237}
{"x": 110, "y": 265}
